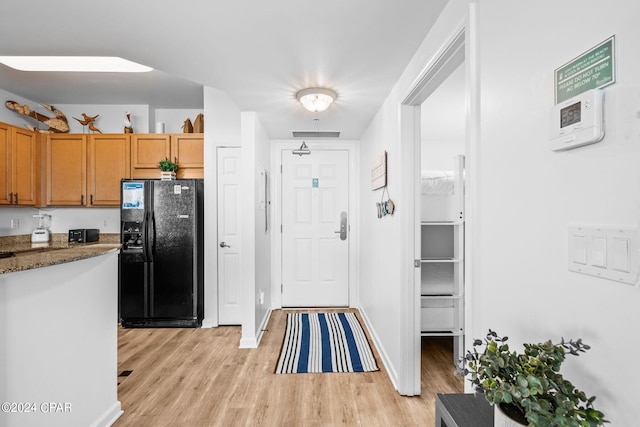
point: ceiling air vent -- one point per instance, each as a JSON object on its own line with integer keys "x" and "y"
{"x": 315, "y": 134}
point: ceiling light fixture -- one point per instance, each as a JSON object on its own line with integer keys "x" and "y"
{"x": 86, "y": 64}
{"x": 316, "y": 99}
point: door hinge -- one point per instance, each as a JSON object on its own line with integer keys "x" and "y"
{"x": 281, "y": 288}
{"x": 280, "y": 228}
{"x": 281, "y": 169}
{"x": 417, "y": 263}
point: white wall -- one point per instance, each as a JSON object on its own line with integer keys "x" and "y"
{"x": 23, "y": 217}
{"x": 110, "y": 117}
{"x": 58, "y": 329}
{"x": 222, "y": 128}
{"x": 381, "y": 265}
{"x": 107, "y": 220}
{"x": 256, "y": 242}
{"x": 529, "y": 194}
{"x": 173, "y": 119}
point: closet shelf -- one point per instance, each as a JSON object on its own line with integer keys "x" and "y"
{"x": 441, "y": 296}
{"x": 441, "y": 222}
{"x": 440, "y": 259}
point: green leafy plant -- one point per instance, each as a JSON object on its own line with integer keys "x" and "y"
{"x": 528, "y": 386}
{"x": 167, "y": 165}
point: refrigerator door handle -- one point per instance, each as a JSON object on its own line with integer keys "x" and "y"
{"x": 147, "y": 240}
{"x": 152, "y": 249}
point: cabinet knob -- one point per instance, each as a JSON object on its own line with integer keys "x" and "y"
{"x": 82, "y": 199}
{"x": 11, "y": 198}
{"x": 16, "y": 198}
{"x": 91, "y": 199}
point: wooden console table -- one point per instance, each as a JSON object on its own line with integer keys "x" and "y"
{"x": 463, "y": 410}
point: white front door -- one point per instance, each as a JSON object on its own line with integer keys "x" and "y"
{"x": 315, "y": 229}
{"x": 229, "y": 201}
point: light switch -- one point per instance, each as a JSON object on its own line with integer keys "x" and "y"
{"x": 605, "y": 252}
{"x": 580, "y": 249}
{"x": 599, "y": 251}
{"x": 620, "y": 254}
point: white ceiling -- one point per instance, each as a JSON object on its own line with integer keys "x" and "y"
{"x": 259, "y": 52}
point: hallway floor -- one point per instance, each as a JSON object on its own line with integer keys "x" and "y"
{"x": 199, "y": 377}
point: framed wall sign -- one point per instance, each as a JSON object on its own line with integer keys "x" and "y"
{"x": 379, "y": 172}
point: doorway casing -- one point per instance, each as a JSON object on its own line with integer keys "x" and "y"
{"x": 276, "y": 250}
{"x": 458, "y": 48}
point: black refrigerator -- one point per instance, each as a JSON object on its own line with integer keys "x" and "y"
{"x": 160, "y": 277}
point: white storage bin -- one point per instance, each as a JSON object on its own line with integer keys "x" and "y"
{"x": 438, "y": 315}
{"x": 438, "y": 278}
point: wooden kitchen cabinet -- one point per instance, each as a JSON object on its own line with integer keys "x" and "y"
{"x": 85, "y": 170}
{"x": 187, "y": 150}
{"x": 66, "y": 170}
{"x": 109, "y": 161}
{"x": 19, "y": 157}
{"x": 146, "y": 152}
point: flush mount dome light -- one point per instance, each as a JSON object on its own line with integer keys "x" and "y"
{"x": 316, "y": 99}
{"x": 86, "y": 64}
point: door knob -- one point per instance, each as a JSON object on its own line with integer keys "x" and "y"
{"x": 224, "y": 245}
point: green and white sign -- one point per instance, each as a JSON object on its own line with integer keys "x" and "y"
{"x": 593, "y": 69}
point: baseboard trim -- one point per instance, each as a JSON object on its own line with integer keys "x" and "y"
{"x": 391, "y": 371}
{"x": 109, "y": 416}
{"x": 263, "y": 326}
{"x": 253, "y": 342}
{"x": 206, "y": 323}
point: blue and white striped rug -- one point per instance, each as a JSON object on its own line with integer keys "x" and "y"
{"x": 325, "y": 342}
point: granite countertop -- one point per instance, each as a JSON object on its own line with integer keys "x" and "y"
{"x": 17, "y": 253}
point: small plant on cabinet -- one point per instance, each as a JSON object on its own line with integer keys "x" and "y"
{"x": 528, "y": 386}
{"x": 167, "y": 169}
{"x": 167, "y": 165}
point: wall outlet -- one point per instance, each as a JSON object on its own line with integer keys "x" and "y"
{"x": 261, "y": 297}
{"x": 15, "y": 223}
{"x": 104, "y": 223}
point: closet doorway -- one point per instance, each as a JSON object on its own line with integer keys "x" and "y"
{"x": 442, "y": 313}
{"x": 442, "y": 219}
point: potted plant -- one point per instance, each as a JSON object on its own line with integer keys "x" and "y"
{"x": 167, "y": 169}
{"x": 528, "y": 386}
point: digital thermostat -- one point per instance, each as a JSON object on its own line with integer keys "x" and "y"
{"x": 578, "y": 121}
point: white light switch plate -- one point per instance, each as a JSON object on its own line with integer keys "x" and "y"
{"x": 608, "y": 252}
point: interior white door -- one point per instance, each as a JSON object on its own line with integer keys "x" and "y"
{"x": 315, "y": 229}
{"x": 229, "y": 201}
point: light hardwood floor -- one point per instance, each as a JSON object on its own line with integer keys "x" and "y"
{"x": 199, "y": 377}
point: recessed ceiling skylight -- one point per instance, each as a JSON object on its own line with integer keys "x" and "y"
{"x": 77, "y": 64}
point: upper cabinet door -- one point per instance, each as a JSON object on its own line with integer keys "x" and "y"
{"x": 18, "y": 162}
{"x": 109, "y": 162}
{"x": 24, "y": 153}
{"x": 188, "y": 152}
{"x": 5, "y": 164}
{"x": 146, "y": 153}
{"x": 66, "y": 170}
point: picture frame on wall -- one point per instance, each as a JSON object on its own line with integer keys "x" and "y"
{"x": 379, "y": 172}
